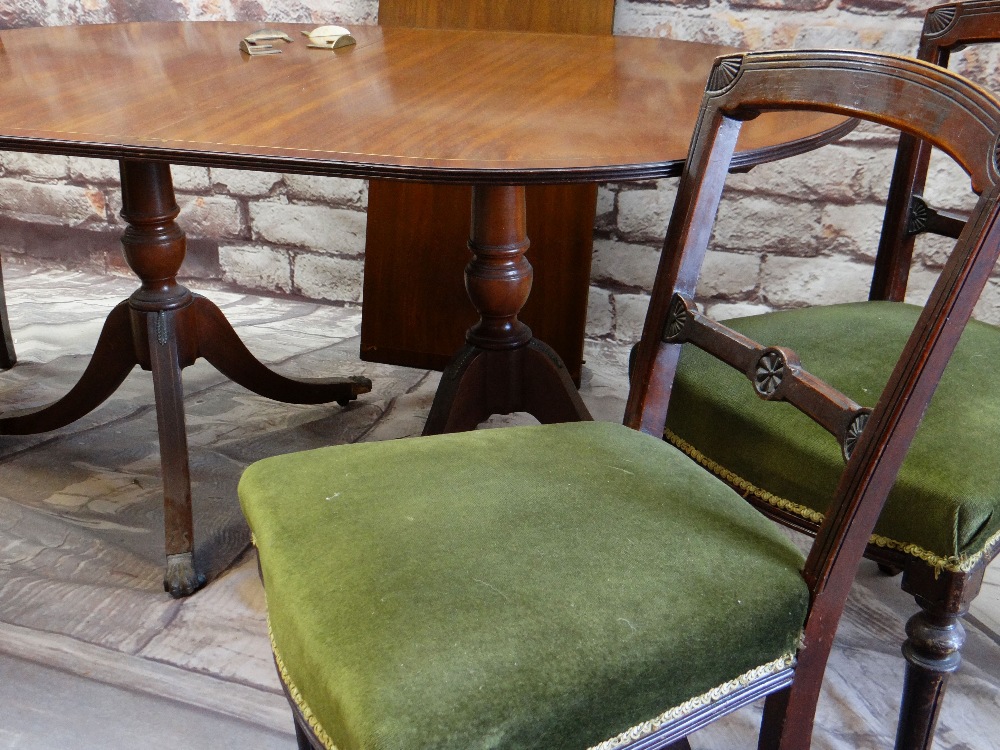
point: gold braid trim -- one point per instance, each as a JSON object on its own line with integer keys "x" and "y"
{"x": 297, "y": 698}
{"x": 951, "y": 563}
{"x": 625, "y": 738}
{"x": 648, "y": 727}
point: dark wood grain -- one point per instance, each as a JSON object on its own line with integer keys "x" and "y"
{"x": 430, "y": 105}
{"x": 418, "y": 104}
{"x": 416, "y": 309}
{"x": 503, "y": 368}
{"x": 776, "y": 372}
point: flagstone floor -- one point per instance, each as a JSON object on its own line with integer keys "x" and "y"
{"x": 94, "y": 655}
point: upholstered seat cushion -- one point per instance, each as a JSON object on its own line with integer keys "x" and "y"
{"x": 945, "y": 507}
{"x": 422, "y": 592}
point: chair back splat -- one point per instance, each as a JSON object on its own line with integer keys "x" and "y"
{"x": 921, "y": 100}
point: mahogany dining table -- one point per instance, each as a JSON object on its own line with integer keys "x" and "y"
{"x": 495, "y": 110}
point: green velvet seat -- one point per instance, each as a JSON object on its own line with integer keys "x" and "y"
{"x": 945, "y": 506}
{"x": 570, "y": 583}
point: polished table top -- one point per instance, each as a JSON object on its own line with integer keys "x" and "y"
{"x": 498, "y": 110}
{"x": 413, "y": 103}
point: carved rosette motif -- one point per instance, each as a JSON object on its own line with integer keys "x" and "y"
{"x": 724, "y": 73}
{"x": 769, "y": 373}
{"x": 940, "y": 19}
{"x": 916, "y": 222}
{"x": 676, "y": 319}
{"x": 854, "y": 431}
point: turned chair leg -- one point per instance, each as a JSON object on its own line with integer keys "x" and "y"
{"x": 933, "y": 651}
{"x": 301, "y": 738}
{"x": 888, "y": 570}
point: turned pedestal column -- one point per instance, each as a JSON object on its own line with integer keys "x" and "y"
{"x": 502, "y": 368}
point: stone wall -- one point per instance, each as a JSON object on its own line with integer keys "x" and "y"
{"x": 802, "y": 229}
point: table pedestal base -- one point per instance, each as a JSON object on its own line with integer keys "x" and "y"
{"x": 164, "y": 328}
{"x": 480, "y": 383}
{"x": 502, "y": 368}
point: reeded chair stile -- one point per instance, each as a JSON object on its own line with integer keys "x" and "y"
{"x": 586, "y": 585}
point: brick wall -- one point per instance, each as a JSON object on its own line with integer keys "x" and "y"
{"x": 797, "y": 230}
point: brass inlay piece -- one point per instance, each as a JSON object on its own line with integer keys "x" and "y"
{"x": 161, "y": 328}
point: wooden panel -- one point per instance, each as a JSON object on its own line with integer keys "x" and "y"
{"x": 416, "y": 311}
{"x": 559, "y": 16}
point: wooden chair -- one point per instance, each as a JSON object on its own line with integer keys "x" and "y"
{"x": 585, "y": 584}
{"x": 941, "y": 525}
{"x": 416, "y": 308}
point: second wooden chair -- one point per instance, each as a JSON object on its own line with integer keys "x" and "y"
{"x": 941, "y": 525}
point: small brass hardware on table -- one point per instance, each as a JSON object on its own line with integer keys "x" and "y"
{"x": 257, "y": 43}
{"x": 329, "y": 37}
